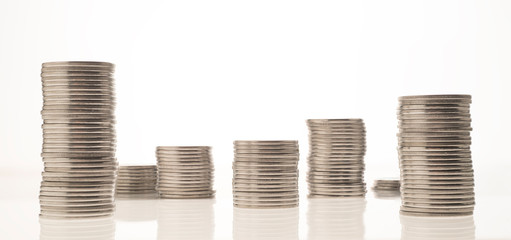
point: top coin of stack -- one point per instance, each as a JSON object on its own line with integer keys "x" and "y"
{"x": 336, "y": 157}
{"x": 265, "y": 174}
{"x": 78, "y": 140}
{"x": 136, "y": 180}
{"x": 437, "y": 178}
{"x": 185, "y": 172}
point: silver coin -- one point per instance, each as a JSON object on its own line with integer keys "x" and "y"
{"x": 58, "y": 167}
{"x": 314, "y": 177}
{"x": 53, "y": 215}
{"x": 437, "y": 96}
{"x": 183, "y": 148}
{"x": 108, "y": 193}
{"x": 77, "y": 63}
{"x": 291, "y": 149}
{"x": 244, "y": 199}
{"x": 267, "y": 194}
{"x": 70, "y": 103}
{"x": 184, "y": 192}
{"x": 185, "y": 166}
{"x": 259, "y": 185}
{"x": 335, "y": 159}
{"x": 185, "y": 172}
{"x": 80, "y": 170}
{"x": 265, "y": 164}
{"x": 73, "y": 69}
{"x": 190, "y": 196}
{"x": 334, "y": 195}
{"x": 266, "y": 142}
{"x": 437, "y": 187}
{"x": 75, "y": 204}
{"x": 93, "y": 161}
{"x": 71, "y": 81}
{"x": 434, "y": 100}
{"x": 138, "y": 167}
{"x": 141, "y": 174}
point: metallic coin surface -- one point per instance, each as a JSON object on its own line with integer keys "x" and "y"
{"x": 434, "y": 153}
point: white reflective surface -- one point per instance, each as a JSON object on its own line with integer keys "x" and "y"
{"x": 439, "y": 228}
{"x": 327, "y": 219}
{"x": 265, "y": 223}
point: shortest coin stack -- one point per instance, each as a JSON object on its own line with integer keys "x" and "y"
{"x": 135, "y": 180}
{"x": 386, "y": 188}
{"x": 265, "y": 174}
{"x": 185, "y": 172}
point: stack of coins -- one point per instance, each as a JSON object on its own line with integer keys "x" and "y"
{"x": 384, "y": 188}
{"x": 185, "y": 172}
{"x": 437, "y": 178}
{"x": 78, "y": 140}
{"x": 136, "y": 180}
{"x": 336, "y": 157}
{"x": 265, "y": 174}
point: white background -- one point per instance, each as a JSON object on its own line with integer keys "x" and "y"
{"x": 210, "y": 72}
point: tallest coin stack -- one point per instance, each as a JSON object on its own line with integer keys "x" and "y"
{"x": 78, "y": 140}
{"x": 437, "y": 178}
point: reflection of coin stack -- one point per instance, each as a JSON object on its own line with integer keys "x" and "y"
{"x": 265, "y": 174}
{"x": 83, "y": 229}
{"x": 334, "y": 218}
{"x": 336, "y": 158}
{"x": 386, "y": 188}
{"x": 136, "y": 180}
{"x": 437, "y": 228}
{"x": 265, "y": 223}
{"x": 136, "y": 210}
{"x": 185, "y": 172}
{"x": 435, "y": 158}
{"x": 186, "y": 219}
{"x": 79, "y": 139}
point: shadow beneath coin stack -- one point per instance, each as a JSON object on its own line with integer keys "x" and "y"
{"x": 186, "y": 219}
{"x": 265, "y": 223}
{"x": 83, "y": 229}
{"x": 336, "y": 218}
{"x": 437, "y": 228}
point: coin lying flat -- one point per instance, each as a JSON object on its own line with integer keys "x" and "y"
{"x": 386, "y": 188}
{"x": 434, "y": 152}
